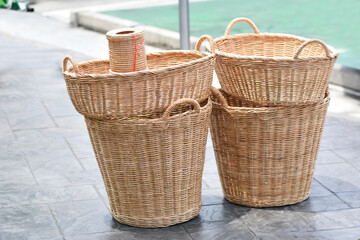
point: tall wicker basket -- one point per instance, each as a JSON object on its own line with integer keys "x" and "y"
{"x": 266, "y": 155}
{"x": 171, "y": 75}
{"x": 152, "y": 165}
{"x": 273, "y": 69}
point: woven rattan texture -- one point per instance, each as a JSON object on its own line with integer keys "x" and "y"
{"x": 151, "y": 166}
{"x": 172, "y": 75}
{"x": 125, "y": 53}
{"x": 273, "y": 69}
{"x": 266, "y": 155}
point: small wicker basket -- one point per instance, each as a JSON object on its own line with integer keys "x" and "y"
{"x": 266, "y": 155}
{"x": 152, "y": 165}
{"x": 126, "y": 50}
{"x": 273, "y": 69}
{"x": 172, "y": 75}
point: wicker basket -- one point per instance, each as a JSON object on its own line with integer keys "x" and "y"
{"x": 172, "y": 75}
{"x": 126, "y": 50}
{"x": 266, "y": 155}
{"x": 273, "y": 69}
{"x": 152, "y": 167}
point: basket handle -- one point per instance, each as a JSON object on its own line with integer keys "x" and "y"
{"x": 219, "y": 96}
{"x": 179, "y": 102}
{"x": 211, "y": 42}
{"x": 236, "y": 20}
{"x": 325, "y": 47}
{"x": 65, "y": 62}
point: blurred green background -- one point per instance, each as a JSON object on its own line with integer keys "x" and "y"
{"x": 337, "y": 22}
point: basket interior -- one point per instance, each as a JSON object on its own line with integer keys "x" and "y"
{"x": 154, "y": 61}
{"x": 264, "y": 45}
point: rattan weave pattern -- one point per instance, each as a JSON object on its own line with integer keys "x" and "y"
{"x": 172, "y": 75}
{"x": 126, "y": 50}
{"x": 273, "y": 69}
{"x": 266, "y": 155}
{"x": 152, "y": 165}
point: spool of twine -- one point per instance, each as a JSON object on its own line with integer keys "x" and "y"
{"x": 126, "y": 50}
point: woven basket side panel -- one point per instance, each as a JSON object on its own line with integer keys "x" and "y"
{"x": 81, "y": 92}
{"x": 143, "y": 93}
{"x": 152, "y": 172}
{"x": 274, "y": 82}
{"x": 125, "y": 54}
{"x": 267, "y": 159}
{"x": 260, "y": 78}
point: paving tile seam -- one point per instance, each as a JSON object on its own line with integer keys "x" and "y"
{"x": 113, "y": 230}
{"x": 74, "y": 154}
{"x": 324, "y": 211}
{"x": 213, "y": 221}
{"x": 8, "y": 123}
{"x": 94, "y": 233}
{"x": 296, "y": 210}
{"x": 48, "y": 112}
{"x": 326, "y": 187}
{"x": 247, "y": 227}
{"x": 51, "y": 128}
{"x": 56, "y": 222}
{"x": 47, "y": 202}
{"x": 346, "y": 159}
{"x": 101, "y": 197}
{"x": 332, "y": 163}
{"x": 29, "y": 166}
{"x": 187, "y": 233}
{"x": 327, "y": 229}
{"x": 72, "y": 201}
{"x": 48, "y": 187}
{"x": 204, "y": 183}
{"x": 346, "y": 192}
{"x": 347, "y": 204}
{"x": 337, "y": 148}
{"x": 67, "y": 185}
{"x": 40, "y": 128}
{"x": 343, "y": 148}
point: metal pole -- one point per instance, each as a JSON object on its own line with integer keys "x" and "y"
{"x": 184, "y": 24}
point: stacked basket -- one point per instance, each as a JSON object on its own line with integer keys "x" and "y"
{"x": 268, "y": 118}
{"x": 148, "y": 118}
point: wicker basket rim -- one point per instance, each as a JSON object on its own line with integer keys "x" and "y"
{"x": 262, "y": 109}
{"x": 333, "y": 52}
{"x": 113, "y": 34}
{"x": 140, "y": 121}
{"x": 271, "y": 109}
{"x": 205, "y": 56}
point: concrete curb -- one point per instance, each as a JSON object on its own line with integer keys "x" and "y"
{"x": 346, "y": 77}
{"x": 154, "y": 36}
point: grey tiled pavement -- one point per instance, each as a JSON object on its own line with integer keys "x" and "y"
{"x": 51, "y": 188}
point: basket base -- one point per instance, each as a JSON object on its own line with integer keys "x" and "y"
{"x": 159, "y": 221}
{"x": 262, "y": 203}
